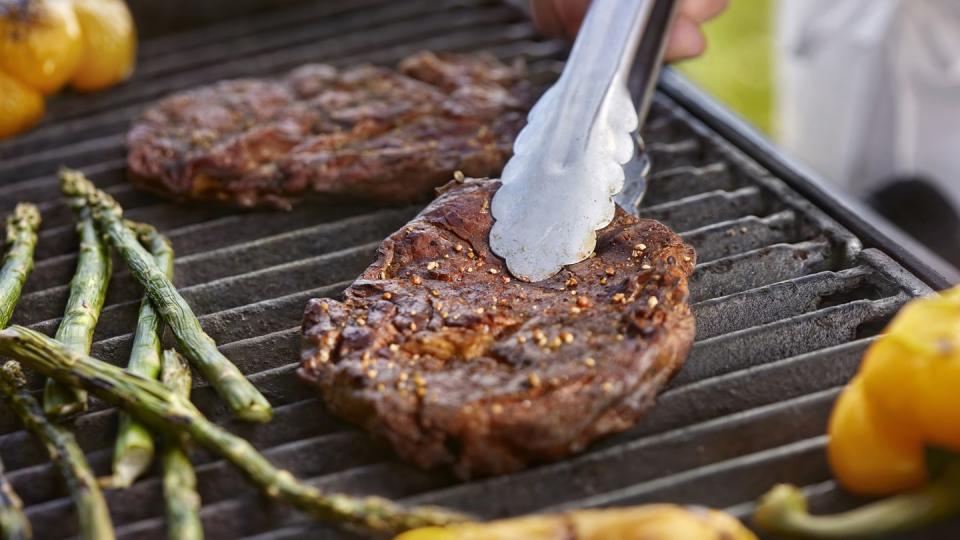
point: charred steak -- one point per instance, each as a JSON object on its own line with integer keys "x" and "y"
{"x": 439, "y": 351}
{"x": 367, "y": 132}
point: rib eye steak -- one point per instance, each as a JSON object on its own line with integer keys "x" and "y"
{"x": 439, "y": 351}
{"x": 368, "y": 133}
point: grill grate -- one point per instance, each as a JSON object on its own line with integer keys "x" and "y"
{"x": 786, "y": 300}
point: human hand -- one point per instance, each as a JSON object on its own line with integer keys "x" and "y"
{"x": 562, "y": 18}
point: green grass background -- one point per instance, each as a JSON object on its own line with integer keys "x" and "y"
{"x": 738, "y": 65}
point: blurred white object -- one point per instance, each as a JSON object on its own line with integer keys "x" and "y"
{"x": 870, "y": 89}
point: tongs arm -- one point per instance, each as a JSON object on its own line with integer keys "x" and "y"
{"x": 568, "y": 161}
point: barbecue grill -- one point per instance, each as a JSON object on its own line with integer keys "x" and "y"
{"x": 786, "y": 297}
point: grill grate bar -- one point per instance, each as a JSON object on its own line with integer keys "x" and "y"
{"x": 45, "y": 190}
{"x": 57, "y": 214}
{"x": 327, "y": 453}
{"x": 749, "y": 233}
{"x": 686, "y": 180}
{"x": 643, "y": 461}
{"x": 213, "y": 296}
{"x": 273, "y": 319}
{"x": 727, "y": 482}
{"x": 704, "y": 485}
{"x": 298, "y": 33}
{"x": 759, "y": 267}
{"x": 262, "y": 23}
{"x": 705, "y": 209}
{"x": 61, "y": 240}
{"x": 782, "y": 300}
{"x": 37, "y": 483}
{"x": 781, "y": 339}
{"x": 246, "y": 256}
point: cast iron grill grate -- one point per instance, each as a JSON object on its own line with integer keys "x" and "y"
{"x": 786, "y": 299}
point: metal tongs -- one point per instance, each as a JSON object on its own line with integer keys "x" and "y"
{"x": 559, "y": 187}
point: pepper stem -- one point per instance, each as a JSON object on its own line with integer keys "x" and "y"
{"x": 783, "y": 510}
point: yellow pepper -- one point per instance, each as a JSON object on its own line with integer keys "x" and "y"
{"x": 650, "y": 522}
{"x": 904, "y": 399}
{"x": 40, "y": 45}
{"x": 903, "y": 402}
{"x": 44, "y": 44}
{"x": 109, "y": 44}
{"x": 20, "y": 106}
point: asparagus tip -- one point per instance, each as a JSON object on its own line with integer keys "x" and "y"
{"x": 74, "y": 183}
{"x": 25, "y": 217}
{"x": 12, "y": 371}
{"x": 27, "y": 214}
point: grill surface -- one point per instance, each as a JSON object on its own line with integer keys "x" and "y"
{"x": 786, "y": 299}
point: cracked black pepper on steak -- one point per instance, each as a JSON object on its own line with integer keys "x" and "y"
{"x": 362, "y": 133}
{"x": 436, "y": 349}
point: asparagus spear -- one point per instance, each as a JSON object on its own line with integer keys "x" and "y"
{"x": 179, "y": 480}
{"x": 64, "y": 451}
{"x": 88, "y": 288}
{"x": 172, "y": 414}
{"x": 22, "y": 227}
{"x": 14, "y": 524}
{"x": 240, "y": 395}
{"x": 134, "y": 448}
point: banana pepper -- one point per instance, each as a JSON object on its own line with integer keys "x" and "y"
{"x": 46, "y": 44}
{"x": 650, "y": 522}
{"x": 902, "y": 407}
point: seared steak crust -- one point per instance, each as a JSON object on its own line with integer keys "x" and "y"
{"x": 366, "y": 132}
{"x": 439, "y": 351}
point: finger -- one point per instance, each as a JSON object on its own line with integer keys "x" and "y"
{"x": 702, "y": 10}
{"x": 572, "y": 13}
{"x": 685, "y": 41}
{"x": 545, "y": 17}
{"x": 559, "y": 18}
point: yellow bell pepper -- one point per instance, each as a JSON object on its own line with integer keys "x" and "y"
{"x": 650, "y": 522}
{"x": 41, "y": 44}
{"x": 44, "y": 44}
{"x": 109, "y": 44}
{"x": 20, "y": 106}
{"x": 904, "y": 401}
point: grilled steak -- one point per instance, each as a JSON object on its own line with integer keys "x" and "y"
{"x": 366, "y": 132}
{"x": 439, "y": 351}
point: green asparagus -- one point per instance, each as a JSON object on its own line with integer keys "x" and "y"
{"x": 14, "y": 524}
{"x": 134, "y": 448}
{"x": 63, "y": 450}
{"x": 179, "y": 480}
{"x": 22, "y": 227}
{"x": 241, "y": 395}
{"x": 88, "y": 288}
{"x": 167, "y": 412}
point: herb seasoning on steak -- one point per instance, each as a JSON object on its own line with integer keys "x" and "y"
{"x": 437, "y": 349}
{"x": 367, "y": 133}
